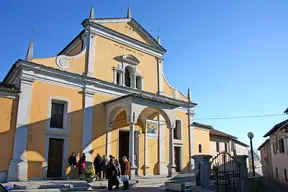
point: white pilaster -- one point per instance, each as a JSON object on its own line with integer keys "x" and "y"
{"x": 18, "y": 165}
{"x": 133, "y": 81}
{"x": 121, "y": 78}
{"x": 171, "y": 166}
{"x": 191, "y": 120}
{"x": 88, "y": 125}
{"x": 131, "y": 144}
{"x": 132, "y": 152}
{"x": 91, "y": 50}
{"x": 161, "y": 146}
{"x": 114, "y": 75}
{"x": 160, "y": 76}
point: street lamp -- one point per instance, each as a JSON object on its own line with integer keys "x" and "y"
{"x": 250, "y": 135}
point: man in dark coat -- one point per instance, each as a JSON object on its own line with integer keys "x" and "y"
{"x": 73, "y": 163}
{"x": 97, "y": 165}
{"x": 112, "y": 173}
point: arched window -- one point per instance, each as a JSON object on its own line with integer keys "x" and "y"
{"x": 127, "y": 77}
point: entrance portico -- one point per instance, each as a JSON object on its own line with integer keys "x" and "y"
{"x": 138, "y": 108}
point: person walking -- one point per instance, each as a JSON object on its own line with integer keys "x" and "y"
{"x": 97, "y": 165}
{"x": 73, "y": 163}
{"x": 126, "y": 173}
{"x": 82, "y": 166}
{"x": 103, "y": 166}
{"x": 112, "y": 175}
{"x": 118, "y": 167}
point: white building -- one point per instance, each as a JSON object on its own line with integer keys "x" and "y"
{"x": 279, "y": 150}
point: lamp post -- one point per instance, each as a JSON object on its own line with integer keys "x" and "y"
{"x": 250, "y": 135}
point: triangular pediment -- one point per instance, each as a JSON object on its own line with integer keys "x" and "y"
{"x": 129, "y": 27}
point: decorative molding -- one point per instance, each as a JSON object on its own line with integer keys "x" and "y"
{"x": 62, "y": 61}
{"x": 131, "y": 59}
{"x": 175, "y": 93}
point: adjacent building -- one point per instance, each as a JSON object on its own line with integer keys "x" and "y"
{"x": 218, "y": 142}
{"x": 276, "y": 148}
{"x": 266, "y": 159}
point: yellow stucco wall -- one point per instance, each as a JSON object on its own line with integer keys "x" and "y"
{"x": 168, "y": 90}
{"x": 106, "y": 59}
{"x": 128, "y": 30}
{"x": 37, "y": 126}
{"x": 76, "y": 65}
{"x": 201, "y": 136}
{"x": 185, "y": 139}
{"x": 8, "y": 113}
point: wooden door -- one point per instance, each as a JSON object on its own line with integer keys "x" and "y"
{"x": 123, "y": 144}
{"x": 55, "y": 157}
{"x": 177, "y": 158}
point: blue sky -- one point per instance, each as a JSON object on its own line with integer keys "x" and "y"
{"x": 232, "y": 54}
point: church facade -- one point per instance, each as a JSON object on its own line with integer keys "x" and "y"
{"x": 105, "y": 93}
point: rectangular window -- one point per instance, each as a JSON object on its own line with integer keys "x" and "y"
{"x": 177, "y": 130}
{"x": 200, "y": 148}
{"x": 226, "y": 147}
{"x": 57, "y": 115}
{"x": 217, "y": 146}
{"x": 285, "y": 174}
{"x": 281, "y": 146}
{"x": 276, "y": 172}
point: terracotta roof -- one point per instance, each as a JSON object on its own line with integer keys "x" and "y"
{"x": 200, "y": 125}
{"x": 277, "y": 127}
{"x": 263, "y": 144}
{"x": 221, "y": 134}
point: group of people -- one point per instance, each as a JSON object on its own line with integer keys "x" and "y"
{"x": 73, "y": 165}
{"x": 110, "y": 169}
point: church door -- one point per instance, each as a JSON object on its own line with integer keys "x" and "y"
{"x": 123, "y": 144}
{"x": 55, "y": 156}
{"x": 177, "y": 157}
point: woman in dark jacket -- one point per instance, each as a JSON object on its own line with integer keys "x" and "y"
{"x": 82, "y": 166}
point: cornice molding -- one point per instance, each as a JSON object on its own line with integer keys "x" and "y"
{"x": 77, "y": 81}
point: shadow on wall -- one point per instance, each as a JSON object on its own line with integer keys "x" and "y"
{"x": 7, "y": 134}
{"x": 37, "y": 153}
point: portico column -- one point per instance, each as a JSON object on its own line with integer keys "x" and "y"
{"x": 161, "y": 147}
{"x": 18, "y": 165}
{"x": 132, "y": 151}
{"x": 171, "y": 166}
{"x": 146, "y": 155}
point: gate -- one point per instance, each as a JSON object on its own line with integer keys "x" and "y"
{"x": 225, "y": 173}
